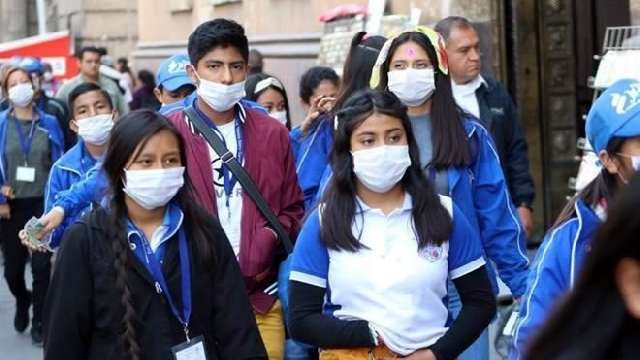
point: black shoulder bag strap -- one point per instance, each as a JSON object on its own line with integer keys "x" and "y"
{"x": 241, "y": 175}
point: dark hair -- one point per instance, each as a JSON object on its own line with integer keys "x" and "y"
{"x": 594, "y": 316}
{"x": 128, "y": 136}
{"x": 449, "y": 138}
{"x": 85, "y": 88}
{"x": 447, "y": 24}
{"x": 147, "y": 79}
{"x": 6, "y": 73}
{"x": 217, "y": 33}
{"x": 312, "y": 78}
{"x": 432, "y": 222}
{"x": 250, "y": 89}
{"x": 357, "y": 68}
{"x": 603, "y": 187}
{"x": 124, "y": 62}
{"x": 255, "y": 61}
{"x": 88, "y": 49}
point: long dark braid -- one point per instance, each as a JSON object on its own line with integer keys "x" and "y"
{"x": 128, "y": 136}
{"x": 120, "y": 261}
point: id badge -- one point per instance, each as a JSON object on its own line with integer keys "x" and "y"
{"x": 190, "y": 350}
{"x": 26, "y": 174}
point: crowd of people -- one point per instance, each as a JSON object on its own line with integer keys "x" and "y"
{"x": 188, "y": 215}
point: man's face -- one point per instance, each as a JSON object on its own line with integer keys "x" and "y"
{"x": 463, "y": 50}
{"x": 167, "y": 97}
{"x": 224, "y": 65}
{"x": 89, "y": 64}
{"x": 88, "y": 105}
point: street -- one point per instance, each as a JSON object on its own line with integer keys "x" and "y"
{"x": 14, "y": 346}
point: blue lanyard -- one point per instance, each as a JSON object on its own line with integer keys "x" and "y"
{"x": 25, "y": 144}
{"x": 153, "y": 265}
{"x": 229, "y": 180}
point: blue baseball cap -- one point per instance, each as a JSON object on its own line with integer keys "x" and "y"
{"x": 616, "y": 113}
{"x": 32, "y": 65}
{"x": 172, "y": 73}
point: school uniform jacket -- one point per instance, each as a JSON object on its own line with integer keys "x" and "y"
{"x": 83, "y": 313}
{"x": 556, "y": 267}
{"x": 74, "y": 166}
{"x": 269, "y": 162}
{"x": 47, "y": 123}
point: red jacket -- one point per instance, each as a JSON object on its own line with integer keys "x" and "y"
{"x": 269, "y": 161}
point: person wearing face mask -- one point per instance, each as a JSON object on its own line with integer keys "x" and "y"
{"x": 600, "y": 318}
{"x": 30, "y": 141}
{"x": 45, "y": 101}
{"x": 458, "y": 155}
{"x": 312, "y": 142}
{"x": 269, "y": 92}
{"x": 93, "y": 118}
{"x": 151, "y": 275}
{"x": 613, "y": 130}
{"x": 218, "y": 52}
{"x": 380, "y": 246}
{"x": 173, "y": 84}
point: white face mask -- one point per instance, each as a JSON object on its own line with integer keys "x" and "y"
{"x": 635, "y": 163}
{"x": 412, "y": 86}
{"x": 21, "y": 94}
{"x": 219, "y": 96}
{"x": 152, "y": 189}
{"x": 47, "y": 76}
{"x": 96, "y": 129}
{"x": 381, "y": 168}
{"x": 281, "y": 116}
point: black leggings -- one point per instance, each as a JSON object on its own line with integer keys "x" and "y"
{"x": 16, "y": 255}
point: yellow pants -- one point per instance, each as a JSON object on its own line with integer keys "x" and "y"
{"x": 271, "y": 327}
{"x": 357, "y": 354}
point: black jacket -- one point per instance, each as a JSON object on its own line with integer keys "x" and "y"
{"x": 498, "y": 114}
{"x": 83, "y": 313}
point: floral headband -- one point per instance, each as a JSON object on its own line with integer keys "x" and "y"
{"x": 436, "y": 41}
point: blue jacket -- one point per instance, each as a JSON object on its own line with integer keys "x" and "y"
{"x": 47, "y": 123}
{"x": 312, "y": 152}
{"x": 74, "y": 166}
{"x": 91, "y": 189}
{"x": 557, "y": 265}
{"x": 481, "y": 193}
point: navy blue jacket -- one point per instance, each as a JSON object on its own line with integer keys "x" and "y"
{"x": 499, "y": 115}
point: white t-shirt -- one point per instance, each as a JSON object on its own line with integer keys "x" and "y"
{"x": 465, "y": 95}
{"x": 230, "y": 215}
{"x": 398, "y": 289}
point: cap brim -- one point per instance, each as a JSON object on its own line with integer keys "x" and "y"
{"x": 175, "y": 83}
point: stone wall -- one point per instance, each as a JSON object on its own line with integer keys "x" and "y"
{"x": 635, "y": 11}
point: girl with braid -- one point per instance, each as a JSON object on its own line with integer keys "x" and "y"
{"x": 151, "y": 275}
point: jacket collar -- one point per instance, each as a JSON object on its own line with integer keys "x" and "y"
{"x": 77, "y": 159}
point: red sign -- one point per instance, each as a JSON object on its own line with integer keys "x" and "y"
{"x": 53, "y": 48}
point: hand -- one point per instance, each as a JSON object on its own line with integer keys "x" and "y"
{"x": 318, "y": 106}
{"x": 7, "y": 191}
{"x": 24, "y": 239}
{"x": 5, "y": 211}
{"x": 51, "y": 220}
{"x": 526, "y": 218}
{"x": 425, "y": 354}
